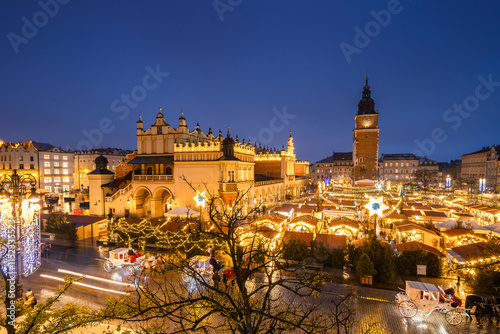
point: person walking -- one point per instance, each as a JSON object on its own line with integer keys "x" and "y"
{"x": 49, "y": 246}
{"x": 42, "y": 249}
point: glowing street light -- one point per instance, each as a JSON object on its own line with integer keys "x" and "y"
{"x": 482, "y": 185}
{"x": 448, "y": 181}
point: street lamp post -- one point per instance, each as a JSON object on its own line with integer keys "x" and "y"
{"x": 20, "y": 227}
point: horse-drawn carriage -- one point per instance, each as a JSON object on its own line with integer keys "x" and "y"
{"x": 124, "y": 258}
{"x": 198, "y": 265}
{"x": 424, "y": 298}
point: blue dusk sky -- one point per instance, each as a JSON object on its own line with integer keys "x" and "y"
{"x": 78, "y": 74}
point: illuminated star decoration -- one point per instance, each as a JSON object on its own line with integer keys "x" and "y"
{"x": 376, "y": 206}
{"x": 199, "y": 198}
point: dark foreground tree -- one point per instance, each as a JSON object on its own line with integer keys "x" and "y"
{"x": 263, "y": 294}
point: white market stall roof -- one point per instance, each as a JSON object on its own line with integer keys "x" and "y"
{"x": 494, "y": 228}
{"x": 452, "y": 223}
{"x": 182, "y": 212}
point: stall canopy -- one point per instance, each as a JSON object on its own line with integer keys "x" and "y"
{"x": 494, "y": 228}
{"x": 182, "y": 212}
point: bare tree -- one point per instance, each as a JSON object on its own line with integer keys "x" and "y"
{"x": 267, "y": 295}
{"x": 426, "y": 178}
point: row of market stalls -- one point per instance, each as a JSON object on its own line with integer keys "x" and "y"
{"x": 334, "y": 233}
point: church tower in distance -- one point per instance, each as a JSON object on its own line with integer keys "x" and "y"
{"x": 365, "y": 138}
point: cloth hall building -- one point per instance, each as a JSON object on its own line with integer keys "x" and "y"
{"x": 150, "y": 182}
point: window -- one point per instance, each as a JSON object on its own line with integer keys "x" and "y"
{"x": 47, "y": 188}
{"x": 56, "y": 171}
{"x": 21, "y": 166}
{"x": 65, "y": 187}
{"x": 56, "y": 157}
{"x": 57, "y": 179}
{"x": 47, "y": 171}
{"x": 32, "y": 158}
{"x": 65, "y": 164}
{"x": 20, "y": 158}
{"x": 56, "y": 163}
{"x": 65, "y": 171}
{"x": 66, "y": 179}
{"x": 65, "y": 157}
{"x": 32, "y": 166}
{"x": 168, "y": 171}
{"x": 46, "y": 156}
{"x": 47, "y": 164}
{"x": 47, "y": 179}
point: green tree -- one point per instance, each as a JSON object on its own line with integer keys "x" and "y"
{"x": 365, "y": 266}
{"x": 408, "y": 260}
{"x": 382, "y": 256}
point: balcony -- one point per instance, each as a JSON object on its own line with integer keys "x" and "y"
{"x": 154, "y": 178}
{"x": 266, "y": 182}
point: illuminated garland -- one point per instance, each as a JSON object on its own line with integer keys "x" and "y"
{"x": 30, "y": 235}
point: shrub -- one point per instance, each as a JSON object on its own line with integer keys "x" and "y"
{"x": 485, "y": 281}
{"x": 407, "y": 262}
{"x": 295, "y": 250}
{"x": 321, "y": 253}
{"x": 338, "y": 258}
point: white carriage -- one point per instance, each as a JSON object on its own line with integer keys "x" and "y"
{"x": 198, "y": 265}
{"x": 119, "y": 258}
{"x": 424, "y": 298}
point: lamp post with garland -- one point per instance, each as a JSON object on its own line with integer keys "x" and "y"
{"x": 19, "y": 226}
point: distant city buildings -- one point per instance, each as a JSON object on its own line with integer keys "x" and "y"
{"x": 482, "y": 168}
{"x": 84, "y": 162}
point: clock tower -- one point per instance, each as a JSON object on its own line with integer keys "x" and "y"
{"x": 365, "y": 138}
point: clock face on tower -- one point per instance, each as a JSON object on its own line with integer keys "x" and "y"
{"x": 367, "y": 121}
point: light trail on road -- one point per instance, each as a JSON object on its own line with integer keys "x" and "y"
{"x": 95, "y": 278}
{"x": 85, "y": 285}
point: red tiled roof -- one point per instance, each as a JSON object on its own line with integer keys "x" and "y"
{"x": 304, "y": 236}
{"x": 332, "y": 241}
{"x": 473, "y": 251}
{"x": 414, "y": 245}
{"x": 305, "y": 209}
{"x": 410, "y": 213}
{"x": 435, "y": 214}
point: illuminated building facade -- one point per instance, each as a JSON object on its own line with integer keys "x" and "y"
{"x": 217, "y": 164}
{"x": 483, "y": 167}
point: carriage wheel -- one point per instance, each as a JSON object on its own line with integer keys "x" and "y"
{"x": 185, "y": 277}
{"x": 408, "y": 309}
{"x": 108, "y": 266}
{"x": 129, "y": 270}
{"x": 454, "y": 317}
